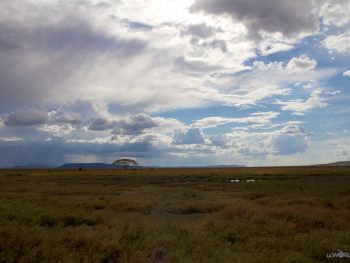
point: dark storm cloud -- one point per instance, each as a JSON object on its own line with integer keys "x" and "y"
{"x": 100, "y": 124}
{"x": 58, "y": 152}
{"x": 29, "y": 117}
{"x": 7, "y": 46}
{"x": 32, "y": 117}
{"x": 199, "y": 30}
{"x": 287, "y": 17}
{"x": 37, "y": 59}
{"x": 79, "y": 37}
{"x": 132, "y": 125}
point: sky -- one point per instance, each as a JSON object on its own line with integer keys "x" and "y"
{"x": 174, "y": 82}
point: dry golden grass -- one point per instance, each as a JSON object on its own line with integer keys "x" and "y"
{"x": 175, "y": 215}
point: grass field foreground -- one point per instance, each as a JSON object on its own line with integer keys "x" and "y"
{"x": 287, "y": 214}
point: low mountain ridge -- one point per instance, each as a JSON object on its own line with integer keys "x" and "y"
{"x": 343, "y": 163}
{"x": 95, "y": 166}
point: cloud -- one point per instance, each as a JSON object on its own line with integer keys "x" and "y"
{"x": 7, "y": 46}
{"x": 102, "y": 75}
{"x": 338, "y": 43}
{"x": 57, "y": 152}
{"x": 346, "y": 73}
{"x": 45, "y": 54}
{"x": 265, "y": 80}
{"x": 290, "y": 140}
{"x": 100, "y": 124}
{"x": 29, "y": 117}
{"x": 199, "y": 30}
{"x": 220, "y": 140}
{"x": 135, "y": 124}
{"x": 61, "y": 56}
{"x": 341, "y": 153}
{"x": 195, "y": 66}
{"x": 301, "y": 64}
{"x": 258, "y": 117}
{"x": 289, "y": 18}
{"x": 188, "y": 136}
{"x": 73, "y": 119}
{"x": 336, "y": 12}
{"x": 299, "y": 107}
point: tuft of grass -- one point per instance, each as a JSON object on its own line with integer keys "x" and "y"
{"x": 78, "y": 221}
{"x": 48, "y": 221}
{"x": 194, "y": 208}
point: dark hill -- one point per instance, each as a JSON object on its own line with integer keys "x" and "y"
{"x": 94, "y": 166}
{"x": 344, "y": 163}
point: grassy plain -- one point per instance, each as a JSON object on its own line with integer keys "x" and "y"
{"x": 290, "y": 214}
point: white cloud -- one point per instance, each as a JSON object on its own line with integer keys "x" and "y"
{"x": 259, "y": 117}
{"x": 341, "y": 153}
{"x": 336, "y": 12}
{"x": 339, "y": 43}
{"x": 166, "y": 126}
{"x": 346, "y": 73}
{"x": 265, "y": 80}
{"x": 299, "y": 107}
{"x": 301, "y": 64}
{"x": 10, "y": 139}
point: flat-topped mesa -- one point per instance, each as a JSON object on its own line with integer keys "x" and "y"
{"x": 125, "y": 163}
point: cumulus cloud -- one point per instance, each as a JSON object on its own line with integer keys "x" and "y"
{"x": 346, "y": 73}
{"x": 134, "y": 124}
{"x": 188, "y": 136}
{"x": 29, "y": 117}
{"x": 289, "y": 18}
{"x": 338, "y": 43}
{"x": 290, "y": 140}
{"x": 220, "y": 140}
{"x": 301, "y": 64}
{"x": 336, "y": 12}
{"x": 131, "y": 125}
